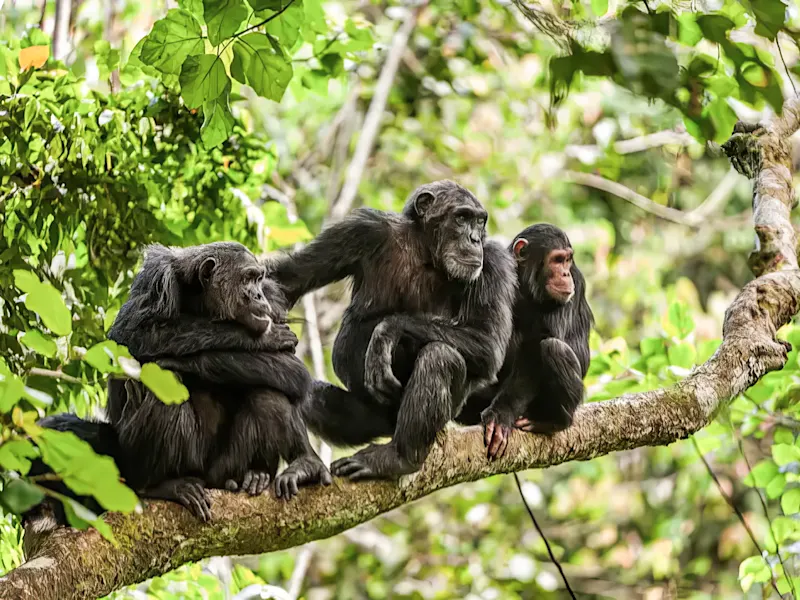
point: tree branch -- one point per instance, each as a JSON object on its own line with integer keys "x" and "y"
{"x": 69, "y": 564}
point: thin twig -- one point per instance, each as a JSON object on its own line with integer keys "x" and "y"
{"x": 735, "y": 509}
{"x": 372, "y": 121}
{"x": 546, "y": 542}
{"x": 53, "y": 375}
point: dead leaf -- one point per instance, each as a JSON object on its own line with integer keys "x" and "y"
{"x": 33, "y": 56}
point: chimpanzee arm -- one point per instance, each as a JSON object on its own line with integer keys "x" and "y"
{"x": 280, "y": 371}
{"x": 189, "y": 335}
{"x": 480, "y": 334}
{"x": 334, "y": 254}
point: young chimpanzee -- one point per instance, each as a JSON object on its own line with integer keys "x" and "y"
{"x": 541, "y": 383}
{"x": 429, "y": 321}
{"x": 210, "y": 313}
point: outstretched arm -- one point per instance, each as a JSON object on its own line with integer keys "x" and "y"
{"x": 280, "y": 371}
{"x": 334, "y": 254}
{"x": 187, "y": 335}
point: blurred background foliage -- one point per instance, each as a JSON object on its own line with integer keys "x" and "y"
{"x": 591, "y": 114}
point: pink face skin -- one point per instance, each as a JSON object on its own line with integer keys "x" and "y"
{"x": 560, "y": 285}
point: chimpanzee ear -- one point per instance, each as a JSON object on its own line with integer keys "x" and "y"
{"x": 519, "y": 246}
{"x": 207, "y": 270}
{"x": 423, "y": 202}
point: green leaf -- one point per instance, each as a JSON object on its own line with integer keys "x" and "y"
{"x": 103, "y": 356}
{"x": 268, "y": 72}
{"x": 599, "y": 7}
{"x": 651, "y": 346}
{"x": 203, "y": 79}
{"x": 680, "y": 320}
{"x": 223, "y": 18}
{"x": 81, "y": 517}
{"x": 784, "y": 454}
{"x": 715, "y": 27}
{"x": 15, "y": 455}
{"x": 38, "y": 342}
{"x": 218, "y": 121}
{"x": 689, "y": 33}
{"x": 769, "y": 14}
{"x": 790, "y": 502}
{"x": 193, "y": 6}
{"x": 164, "y": 384}
{"x": 45, "y": 300}
{"x": 287, "y": 26}
{"x": 11, "y": 390}
{"x": 682, "y": 355}
{"x": 259, "y": 5}
{"x": 761, "y": 474}
{"x": 83, "y": 471}
{"x": 19, "y": 496}
{"x": 783, "y": 436}
{"x": 776, "y": 487}
{"x": 173, "y": 39}
{"x": 107, "y": 58}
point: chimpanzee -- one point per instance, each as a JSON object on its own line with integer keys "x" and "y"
{"x": 429, "y": 320}
{"x": 246, "y": 392}
{"x": 210, "y": 313}
{"x": 541, "y": 382}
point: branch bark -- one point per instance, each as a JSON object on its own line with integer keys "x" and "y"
{"x": 71, "y": 564}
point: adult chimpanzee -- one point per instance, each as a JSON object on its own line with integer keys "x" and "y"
{"x": 541, "y": 382}
{"x": 246, "y": 385}
{"x": 432, "y": 300}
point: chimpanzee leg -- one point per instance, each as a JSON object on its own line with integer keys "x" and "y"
{"x": 346, "y": 418}
{"x": 434, "y": 394}
{"x": 265, "y": 427}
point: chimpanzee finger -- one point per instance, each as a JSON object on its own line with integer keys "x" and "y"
{"x": 252, "y": 488}
{"x": 231, "y": 485}
{"x": 263, "y": 483}
{"x": 363, "y": 473}
{"x": 497, "y": 440}
{"x": 348, "y": 466}
{"x": 522, "y": 422}
{"x": 293, "y": 487}
{"x": 325, "y": 478}
{"x": 488, "y": 433}
{"x": 248, "y": 478}
{"x": 196, "y": 502}
{"x": 504, "y": 444}
{"x": 280, "y": 484}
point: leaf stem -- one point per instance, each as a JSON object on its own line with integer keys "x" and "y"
{"x": 264, "y": 22}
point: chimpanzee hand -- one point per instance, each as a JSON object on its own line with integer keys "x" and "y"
{"x": 253, "y": 483}
{"x": 306, "y": 470}
{"x": 279, "y": 338}
{"x": 497, "y": 425}
{"x": 378, "y": 376}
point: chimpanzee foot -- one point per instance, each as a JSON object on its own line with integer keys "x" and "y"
{"x": 543, "y": 427}
{"x": 254, "y": 483}
{"x": 374, "y": 462}
{"x": 496, "y": 431}
{"x": 190, "y": 492}
{"x": 306, "y": 470}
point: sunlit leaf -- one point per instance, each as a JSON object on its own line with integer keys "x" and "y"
{"x": 19, "y": 496}
{"x": 38, "y": 342}
{"x": 218, "y": 121}
{"x": 172, "y": 39}
{"x": 286, "y": 27}
{"x": 164, "y": 384}
{"x": 203, "y": 79}
{"x": 223, "y": 18}
{"x": 15, "y": 455}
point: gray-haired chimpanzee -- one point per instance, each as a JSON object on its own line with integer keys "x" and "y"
{"x": 210, "y": 313}
{"x": 428, "y": 321}
{"x": 190, "y": 310}
{"x": 541, "y": 383}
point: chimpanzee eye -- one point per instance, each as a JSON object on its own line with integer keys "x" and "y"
{"x": 461, "y": 219}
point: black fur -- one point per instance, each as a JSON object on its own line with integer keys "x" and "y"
{"x": 244, "y": 411}
{"x": 542, "y": 376}
{"x": 429, "y": 319}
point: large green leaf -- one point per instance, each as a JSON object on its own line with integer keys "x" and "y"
{"x": 46, "y": 301}
{"x": 164, "y": 384}
{"x": 203, "y": 79}
{"x": 770, "y": 16}
{"x": 217, "y": 120}
{"x": 258, "y": 5}
{"x": 19, "y": 496}
{"x": 266, "y": 69}
{"x": 223, "y": 18}
{"x": 40, "y": 343}
{"x": 173, "y": 39}
{"x": 15, "y": 455}
{"x": 85, "y": 472}
{"x": 286, "y": 27}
